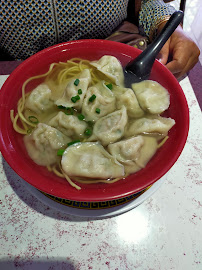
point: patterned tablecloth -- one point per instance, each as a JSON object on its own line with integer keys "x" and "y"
{"x": 163, "y": 232}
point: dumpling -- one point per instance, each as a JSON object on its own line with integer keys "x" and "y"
{"x": 40, "y": 99}
{"x": 126, "y": 97}
{"x": 72, "y": 88}
{"x": 147, "y": 151}
{"x": 111, "y": 67}
{"x": 69, "y": 125}
{"x": 152, "y": 96}
{"x": 128, "y": 150}
{"x": 103, "y": 104}
{"x": 90, "y": 160}
{"x": 134, "y": 153}
{"x": 43, "y": 143}
{"x": 154, "y": 125}
{"x": 110, "y": 128}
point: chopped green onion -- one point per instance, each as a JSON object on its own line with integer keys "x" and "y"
{"x": 97, "y": 110}
{"x": 109, "y": 86}
{"x": 76, "y": 82}
{"x": 81, "y": 116}
{"x": 92, "y": 98}
{"x": 73, "y": 142}
{"x": 75, "y": 98}
{"x": 61, "y": 107}
{"x": 79, "y": 91}
{"x": 69, "y": 111}
{"x": 60, "y": 152}
{"x": 29, "y": 131}
{"x": 33, "y": 119}
{"x": 88, "y": 132}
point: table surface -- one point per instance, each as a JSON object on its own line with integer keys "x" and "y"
{"x": 164, "y": 232}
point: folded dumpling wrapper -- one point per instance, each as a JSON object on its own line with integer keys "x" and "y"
{"x": 111, "y": 67}
{"x": 150, "y": 125}
{"x": 69, "y": 125}
{"x": 90, "y": 160}
{"x": 128, "y": 150}
{"x": 134, "y": 153}
{"x": 152, "y": 96}
{"x": 111, "y": 127}
{"x": 127, "y": 97}
{"x": 39, "y": 99}
{"x": 43, "y": 143}
{"x": 72, "y": 90}
{"x": 104, "y": 101}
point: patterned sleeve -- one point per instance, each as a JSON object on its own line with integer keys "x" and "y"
{"x": 152, "y": 13}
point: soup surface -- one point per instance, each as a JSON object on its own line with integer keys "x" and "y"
{"x": 84, "y": 125}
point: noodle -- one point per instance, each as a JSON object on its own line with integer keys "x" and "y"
{"x": 59, "y": 74}
{"x": 57, "y": 172}
{"x": 21, "y": 104}
{"x": 162, "y": 142}
{"x": 70, "y": 181}
{"x": 107, "y": 181}
{"x": 62, "y": 72}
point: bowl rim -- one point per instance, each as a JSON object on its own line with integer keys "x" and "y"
{"x": 104, "y": 195}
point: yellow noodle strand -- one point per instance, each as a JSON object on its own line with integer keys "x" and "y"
{"x": 49, "y": 168}
{"x": 57, "y": 172}
{"x": 12, "y": 115}
{"x": 16, "y": 127}
{"x": 21, "y": 103}
{"x": 110, "y": 181}
{"x": 61, "y": 72}
{"x": 162, "y": 142}
{"x": 25, "y": 120}
{"x": 70, "y": 181}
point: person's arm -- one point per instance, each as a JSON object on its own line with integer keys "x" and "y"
{"x": 152, "y": 14}
{"x": 182, "y": 50}
{"x": 180, "y": 53}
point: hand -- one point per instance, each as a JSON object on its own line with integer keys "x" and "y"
{"x": 180, "y": 53}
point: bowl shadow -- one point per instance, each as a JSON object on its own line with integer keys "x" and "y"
{"x": 16, "y": 183}
{"x": 19, "y": 262}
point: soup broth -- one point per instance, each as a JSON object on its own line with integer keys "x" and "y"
{"x": 83, "y": 124}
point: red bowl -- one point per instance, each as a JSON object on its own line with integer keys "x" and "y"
{"x": 13, "y": 149}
